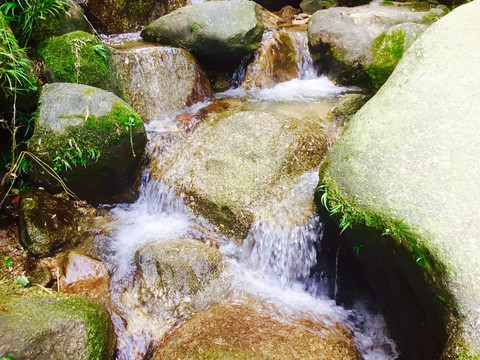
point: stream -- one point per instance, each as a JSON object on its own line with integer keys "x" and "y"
{"x": 274, "y": 261}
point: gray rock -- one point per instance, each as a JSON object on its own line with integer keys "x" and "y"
{"x": 92, "y": 139}
{"x": 159, "y": 81}
{"x": 37, "y": 325}
{"x": 408, "y": 165}
{"x": 224, "y": 30}
{"x": 235, "y": 158}
{"x": 341, "y": 38}
{"x": 47, "y": 223}
{"x": 347, "y": 106}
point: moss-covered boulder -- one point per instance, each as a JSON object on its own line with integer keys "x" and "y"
{"x": 407, "y": 166}
{"x": 341, "y": 39}
{"x": 235, "y": 158}
{"x": 159, "y": 81}
{"x": 121, "y": 16}
{"x": 72, "y": 19}
{"x": 176, "y": 270}
{"x": 249, "y": 329}
{"x": 47, "y": 223}
{"x": 37, "y": 325}
{"x": 78, "y": 57}
{"x": 275, "y": 61}
{"x": 222, "y": 30}
{"x": 92, "y": 139}
{"x": 16, "y": 73}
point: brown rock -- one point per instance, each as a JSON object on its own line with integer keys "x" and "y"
{"x": 288, "y": 12}
{"x": 249, "y": 329}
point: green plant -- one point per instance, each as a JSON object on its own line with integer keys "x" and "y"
{"x": 74, "y": 154}
{"x": 356, "y": 249}
{"x": 5, "y": 358}
{"x": 102, "y": 50}
{"x": 345, "y": 220}
{"x": 23, "y": 281}
{"x": 28, "y": 14}
{"x": 8, "y": 261}
{"x": 193, "y": 27}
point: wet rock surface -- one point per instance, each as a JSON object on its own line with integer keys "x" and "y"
{"x": 244, "y": 328}
{"x": 159, "y": 81}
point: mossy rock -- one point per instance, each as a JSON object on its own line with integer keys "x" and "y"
{"x": 78, "y": 57}
{"x": 16, "y": 73}
{"x": 72, "y": 19}
{"x": 47, "y": 223}
{"x": 388, "y": 48}
{"x": 407, "y": 164}
{"x": 92, "y": 139}
{"x": 37, "y": 325}
{"x": 223, "y": 31}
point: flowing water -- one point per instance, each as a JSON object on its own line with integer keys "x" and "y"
{"x": 273, "y": 262}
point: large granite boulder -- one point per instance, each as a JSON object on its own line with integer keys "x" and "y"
{"x": 78, "y": 57}
{"x": 92, "y": 139}
{"x": 222, "y": 30}
{"x": 159, "y": 81}
{"x": 408, "y": 166}
{"x": 37, "y": 325}
{"x": 341, "y": 38}
{"x": 226, "y": 168}
{"x": 246, "y": 328}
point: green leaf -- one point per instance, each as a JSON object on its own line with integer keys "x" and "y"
{"x": 8, "y": 262}
{"x": 23, "y": 281}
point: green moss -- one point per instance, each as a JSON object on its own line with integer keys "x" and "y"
{"x": 387, "y": 2}
{"x": 387, "y": 50}
{"x": 76, "y": 58}
{"x": 83, "y": 145}
{"x": 431, "y": 17}
{"x": 349, "y": 215}
{"x": 35, "y": 311}
{"x": 89, "y": 91}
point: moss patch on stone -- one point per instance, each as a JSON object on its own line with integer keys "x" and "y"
{"x": 387, "y": 50}
{"x": 35, "y": 315}
{"x": 78, "y": 57}
{"x": 81, "y": 145}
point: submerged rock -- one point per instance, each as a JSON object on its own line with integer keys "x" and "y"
{"x": 36, "y": 324}
{"x": 92, "y": 139}
{"x": 235, "y": 159}
{"x": 220, "y": 30}
{"x": 78, "y": 57}
{"x": 341, "y": 38}
{"x": 177, "y": 270}
{"x": 47, "y": 223}
{"x": 159, "y": 81}
{"x": 244, "y": 328}
{"x": 407, "y": 165}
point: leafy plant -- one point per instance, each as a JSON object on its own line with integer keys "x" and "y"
{"x": 28, "y": 14}
{"x": 74, "y": 154}
{"x": 102, "y": 50}
{"x": 8, "y": 261}
{"x": 23, "y": 281}
{"x": 345, "y": 220}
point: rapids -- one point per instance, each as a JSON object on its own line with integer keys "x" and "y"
{"x": 274, "y": 261}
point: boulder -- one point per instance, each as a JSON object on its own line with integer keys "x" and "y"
{"x": 92, "y": 139}
{"x": 85, "y": 276}
{"x": 121, "y": 16}
{"x": 78, "y": 57}
{"x": 407, "y": 166}
{"x": 341, "y": 38}
{"x": 235, "y": 158}
{"x": 73, "y": 19}
{"x": 176, "y": 270}
{"x": 220, "y": 30}
{"x": 275, "y": 61}
{"x": 159, "y": 81}
{"x": 246, "y": 328}
{"x": 37, "y": 324}
{"x": 47, "y": 223}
